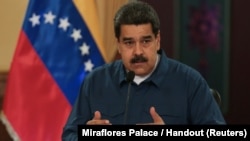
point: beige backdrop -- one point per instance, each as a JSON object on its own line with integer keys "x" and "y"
{"x": 12, "y": 13}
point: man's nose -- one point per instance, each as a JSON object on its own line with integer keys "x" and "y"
{"x": 138, "y": 49}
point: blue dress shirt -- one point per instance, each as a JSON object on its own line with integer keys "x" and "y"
{"x": 178, "y": 92}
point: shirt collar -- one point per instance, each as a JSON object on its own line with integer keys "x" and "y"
{"x": 156, "y": 76}
{"x": 139, "y": 79}
{"x": 160, "y": 70}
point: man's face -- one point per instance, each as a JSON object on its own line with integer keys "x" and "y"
{"x": 138, "y": 48}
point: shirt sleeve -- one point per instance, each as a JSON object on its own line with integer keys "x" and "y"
{"x": 79, "y": 115}
{"x": 203, "y": 107}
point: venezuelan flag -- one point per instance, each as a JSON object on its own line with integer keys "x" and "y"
{"x": 58, "y": 46}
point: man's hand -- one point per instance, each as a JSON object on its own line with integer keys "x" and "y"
{"x": 157, "y": 120}
{"x": 97, "y": 120}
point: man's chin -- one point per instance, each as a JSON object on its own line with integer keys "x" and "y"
{"x": 140, "y": 72}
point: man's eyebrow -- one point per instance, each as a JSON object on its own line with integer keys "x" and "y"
{"x": 147, "y": 37}
{"x": 127, "y": 39}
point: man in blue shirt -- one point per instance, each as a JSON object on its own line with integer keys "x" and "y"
{"x": 161, "y": 91}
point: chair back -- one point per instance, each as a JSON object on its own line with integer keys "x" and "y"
{"x": 216, "y": 95}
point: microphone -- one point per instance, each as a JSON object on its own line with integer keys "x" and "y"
{"x": 129, "y": 78}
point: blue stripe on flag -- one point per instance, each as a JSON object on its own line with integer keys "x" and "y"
{"x": 59, "y": 51}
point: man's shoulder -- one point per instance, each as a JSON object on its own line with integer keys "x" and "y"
{"x": 182, "y": 68}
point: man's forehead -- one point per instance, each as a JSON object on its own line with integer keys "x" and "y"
{"x": 139, "y": 38}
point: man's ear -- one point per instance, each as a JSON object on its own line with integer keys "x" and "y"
{"x": 118, "y": 46}
{"x": 158, "y": 38}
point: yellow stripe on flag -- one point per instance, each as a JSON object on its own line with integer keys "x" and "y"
{"x": 88, "y": 10}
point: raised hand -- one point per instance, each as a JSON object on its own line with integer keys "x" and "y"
{"x": 157, "y": 120}
{"x": 97, "y": 120}
{"x": 156, "y": 117}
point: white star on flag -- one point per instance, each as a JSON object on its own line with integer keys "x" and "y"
{"x": 64, "y": 24}
{"x": 49, "y": 17}
{"x": 76, "y": 35}
{"x": 53, "y": 31}
{"x": 84, "y": 49}
{"x": 34, "y": 19}
{"x": 88, "y": 65}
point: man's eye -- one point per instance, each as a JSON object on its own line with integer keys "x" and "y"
{"x": 128, "y": 43}
{"x": 146, "y": 42}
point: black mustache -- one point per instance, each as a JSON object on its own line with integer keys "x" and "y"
{"x": 138, "y": 59}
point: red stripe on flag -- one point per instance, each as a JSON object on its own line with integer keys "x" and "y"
{"x": 33, "y": 104}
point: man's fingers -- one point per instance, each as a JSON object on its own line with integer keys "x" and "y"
{"x": 97, "y": 115}
{"x": 156, "y": 117}
{"x": 97, "y": 120}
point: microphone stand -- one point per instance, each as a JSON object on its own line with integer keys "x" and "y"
{"x": 130, "y": 78}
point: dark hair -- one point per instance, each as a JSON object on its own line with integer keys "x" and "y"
{"x": 136, "y": 13}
